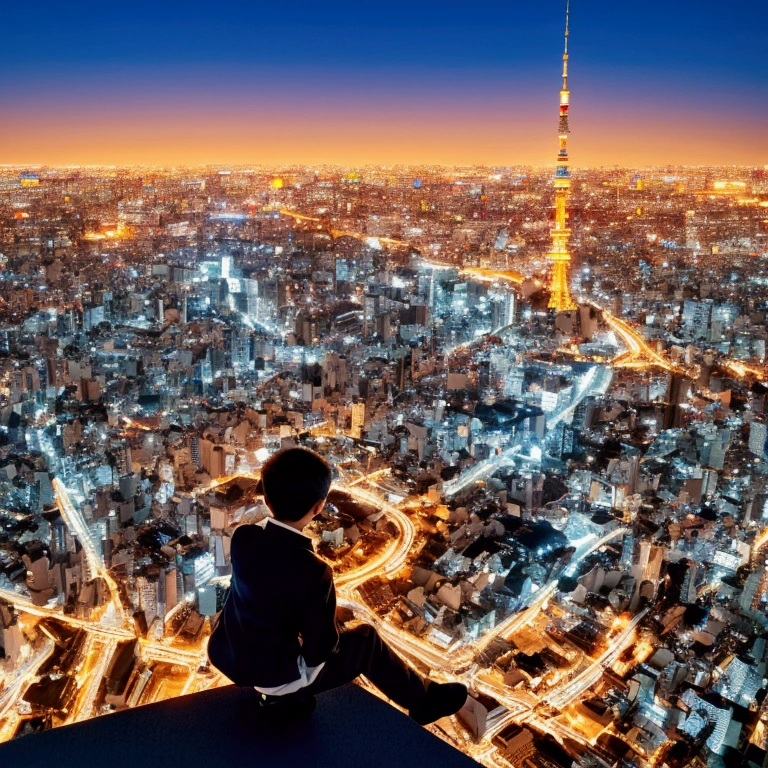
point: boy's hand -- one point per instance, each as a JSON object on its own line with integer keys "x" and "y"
{"x": 343, "y": 614}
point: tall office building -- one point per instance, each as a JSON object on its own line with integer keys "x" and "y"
{"x": 697, "y": 316}
{"x": 148, "y": 594}
{"x": 206, "y": 600}
{"x": 194, "y": 451}
{"x": 358, "y": 419}
{"x": 560, "y": 297}
{"x": 758, "y": 435}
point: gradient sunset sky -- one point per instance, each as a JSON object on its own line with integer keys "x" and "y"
{"x": 419, "y": 81}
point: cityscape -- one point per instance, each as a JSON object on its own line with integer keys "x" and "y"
{"x": 543, "y": 391}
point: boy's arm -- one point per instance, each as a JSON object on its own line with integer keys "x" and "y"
{"x": 319, "y": 633}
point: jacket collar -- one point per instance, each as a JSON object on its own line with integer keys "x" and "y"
{"x": 288, "y": 534}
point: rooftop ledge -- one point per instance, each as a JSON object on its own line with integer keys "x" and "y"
{"x": 222, "y": 728}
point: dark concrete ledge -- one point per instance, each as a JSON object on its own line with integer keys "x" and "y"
{"x": 349, "y": 729}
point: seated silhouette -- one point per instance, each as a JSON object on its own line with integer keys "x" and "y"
{"x": 278, "y": 631}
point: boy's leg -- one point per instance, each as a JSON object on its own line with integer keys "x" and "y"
{"x": 362, "y": 652}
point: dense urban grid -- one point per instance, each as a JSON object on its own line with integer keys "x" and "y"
{"x": 566, "y": 510}
{"x": 544, "y": 399}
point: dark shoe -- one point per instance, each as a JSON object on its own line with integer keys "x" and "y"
{"x": 440, "y": 700}
{"x": 293, "y": 706}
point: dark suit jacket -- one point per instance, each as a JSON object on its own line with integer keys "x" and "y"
{"x": 281, "y": 592}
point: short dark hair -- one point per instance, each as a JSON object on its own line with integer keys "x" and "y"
{"x": 293, "y": 481}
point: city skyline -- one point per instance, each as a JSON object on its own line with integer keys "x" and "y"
{"x": 549, "y": 505}
{"x": 535, "y": 361}
{"x": 354, "y": 87}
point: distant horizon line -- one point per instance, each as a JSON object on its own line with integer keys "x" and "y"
{"x": 244, "y": 166}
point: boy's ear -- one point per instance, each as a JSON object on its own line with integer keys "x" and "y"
{"x": 318, "y": 508}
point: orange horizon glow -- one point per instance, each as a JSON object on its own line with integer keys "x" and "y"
{"x": 433, "y": 89}
{"x": 597, "y": 149}
{"x": 522, "y": 133}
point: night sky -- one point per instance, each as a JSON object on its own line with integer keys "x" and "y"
{"x": 386, "y": 82}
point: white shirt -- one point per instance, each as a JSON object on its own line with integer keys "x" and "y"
{"x": 307, "y": 675}
{"x": 274, "y": 521}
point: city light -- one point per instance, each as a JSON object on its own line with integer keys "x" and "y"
{"x": 542, "y": 393}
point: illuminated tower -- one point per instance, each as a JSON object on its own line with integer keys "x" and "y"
{"x": 559, "y": 290}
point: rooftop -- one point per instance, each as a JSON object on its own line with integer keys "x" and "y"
{"x": 221, "y": 727}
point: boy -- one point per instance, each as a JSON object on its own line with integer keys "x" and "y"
{"x": 278, "y": 631}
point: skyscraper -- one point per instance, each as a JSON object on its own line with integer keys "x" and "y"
{"x": 560, "y": 297}
{"x": 758, "y": 436}
{"x": 358, "y": 419}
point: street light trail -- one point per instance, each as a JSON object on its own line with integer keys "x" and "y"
{"x": 597, "y": 381}
{"x": 518, "y": 620}
{"x": 493, "y": 275}
{"x": 639, "y": 352}
{"x": 87, "y": 700}
{"x": 336, "y": 233}
{"x": 101, "y": 631}
{"x": 24, "y": 678}
{"x": 448, "y": 664}
{"x": 94, "y": 561}
{"x": 572, "y": 689}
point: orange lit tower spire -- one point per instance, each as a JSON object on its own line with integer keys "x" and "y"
{"x": 559, "y": 291}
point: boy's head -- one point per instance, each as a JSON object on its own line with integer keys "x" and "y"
{"x": 293, "y": 481}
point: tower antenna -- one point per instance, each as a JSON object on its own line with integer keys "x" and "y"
{"x": 560, "y": 298}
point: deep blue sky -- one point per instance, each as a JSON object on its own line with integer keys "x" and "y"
{"x": 702, "y": 60}
{"x": 695, "y": 39}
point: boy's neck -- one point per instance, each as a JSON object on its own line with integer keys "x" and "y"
{"x": 294, "y": 525}
{"x": 300, "y": 525}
